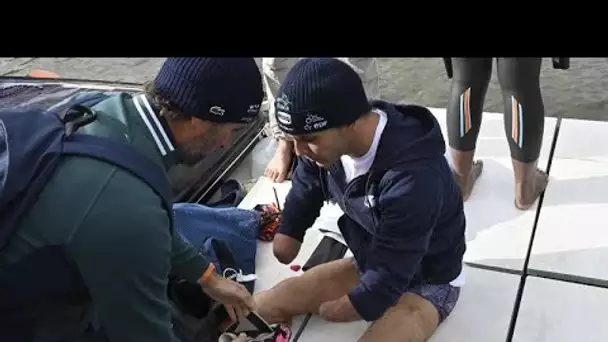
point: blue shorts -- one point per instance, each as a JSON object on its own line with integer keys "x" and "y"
{"x": 443, "y": 296}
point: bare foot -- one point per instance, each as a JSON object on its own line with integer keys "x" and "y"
{"x": 466, "y": 182}
{"x": 266, "y": 309}
{"x": 527, "y": 194}
{"x": 280, "y": 164}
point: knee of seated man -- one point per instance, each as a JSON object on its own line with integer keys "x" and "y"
{"x": 285, "y": 248}
{"x": 417, "y": 307}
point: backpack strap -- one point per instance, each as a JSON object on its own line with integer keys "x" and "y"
{"x": 31, "y": 144}
{"x": 126, "y": 157}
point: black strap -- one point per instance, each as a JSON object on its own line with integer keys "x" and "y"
{"x": 447, "y": 62}
{"x": 562, "y": 63}
{"x": 75, "y": 117}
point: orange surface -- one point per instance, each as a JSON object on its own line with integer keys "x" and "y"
{"x": 43, "y": 74}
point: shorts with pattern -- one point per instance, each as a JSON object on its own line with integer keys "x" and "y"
{"x": 443, "y": 296}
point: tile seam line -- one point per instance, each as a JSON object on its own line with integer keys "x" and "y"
{"x": 522, "y": 280}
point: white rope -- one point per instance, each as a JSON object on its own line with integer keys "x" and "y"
{"x": 238, "y": 276}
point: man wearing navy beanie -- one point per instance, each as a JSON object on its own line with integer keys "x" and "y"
{"x": 274, "y": 71}
{"x": 204, "y": 100}
{"x": 99, "y": 239}
{"x": 403, "y": 216}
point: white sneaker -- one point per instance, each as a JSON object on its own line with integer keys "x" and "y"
{"x": 265, "y": 106}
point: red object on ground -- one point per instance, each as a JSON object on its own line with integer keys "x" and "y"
{"x": 43, "y": 74}
{"x": 295, "y": 268}
{"x": 271, "y": 219}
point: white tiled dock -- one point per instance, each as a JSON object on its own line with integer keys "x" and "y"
{"x": 498, "y": 234}
{"x": 572, "y": 233}
{"x": 571, "y": 244}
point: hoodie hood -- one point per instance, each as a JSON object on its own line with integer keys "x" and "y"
{"x": 412, "y": 134}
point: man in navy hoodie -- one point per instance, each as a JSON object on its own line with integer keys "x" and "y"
{"x": 404, "y": 222}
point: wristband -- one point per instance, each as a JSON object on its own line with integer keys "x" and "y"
{"x": 207, "y": 274}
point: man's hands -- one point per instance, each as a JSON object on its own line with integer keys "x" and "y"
{"x": 285, "y": 248}
{"x": 339, "y": 310}
{"x": 235, "y": 297}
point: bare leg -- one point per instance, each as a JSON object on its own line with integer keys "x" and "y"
{"x": 464, "y": 115}
{"x": 413, "y": 319}
{"x": 304, "y": 294}
{"x": 274, "y": 70}
{"x": 530, "y": 182}
{"x": 279, "y": 166}
{"x": 466, "y": 171}
{"x": 519, "y": 80}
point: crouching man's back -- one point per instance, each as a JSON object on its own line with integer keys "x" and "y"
{"x": 98, "y": 245}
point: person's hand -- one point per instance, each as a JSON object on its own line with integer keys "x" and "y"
{"x": 233, "y": 295}
{"x": 285, "y": 248}
{"x": 339, "y": 310}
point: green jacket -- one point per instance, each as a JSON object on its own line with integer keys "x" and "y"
{"x": 113, "y": 228}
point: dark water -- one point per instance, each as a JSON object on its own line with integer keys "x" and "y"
{"x": 581, "y": 92}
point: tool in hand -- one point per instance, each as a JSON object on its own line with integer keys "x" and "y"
{"x": 276, "y": 198}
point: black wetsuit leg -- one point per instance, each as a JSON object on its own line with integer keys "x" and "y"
{"x": 524, "y": 109}
{"x": 470, "y": 80}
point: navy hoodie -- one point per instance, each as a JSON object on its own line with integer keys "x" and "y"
{"x": 404, "y": 219}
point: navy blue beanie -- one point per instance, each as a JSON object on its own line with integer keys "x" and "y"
{"x": 212, "y": 89}
{"x": 319, "y": 94}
